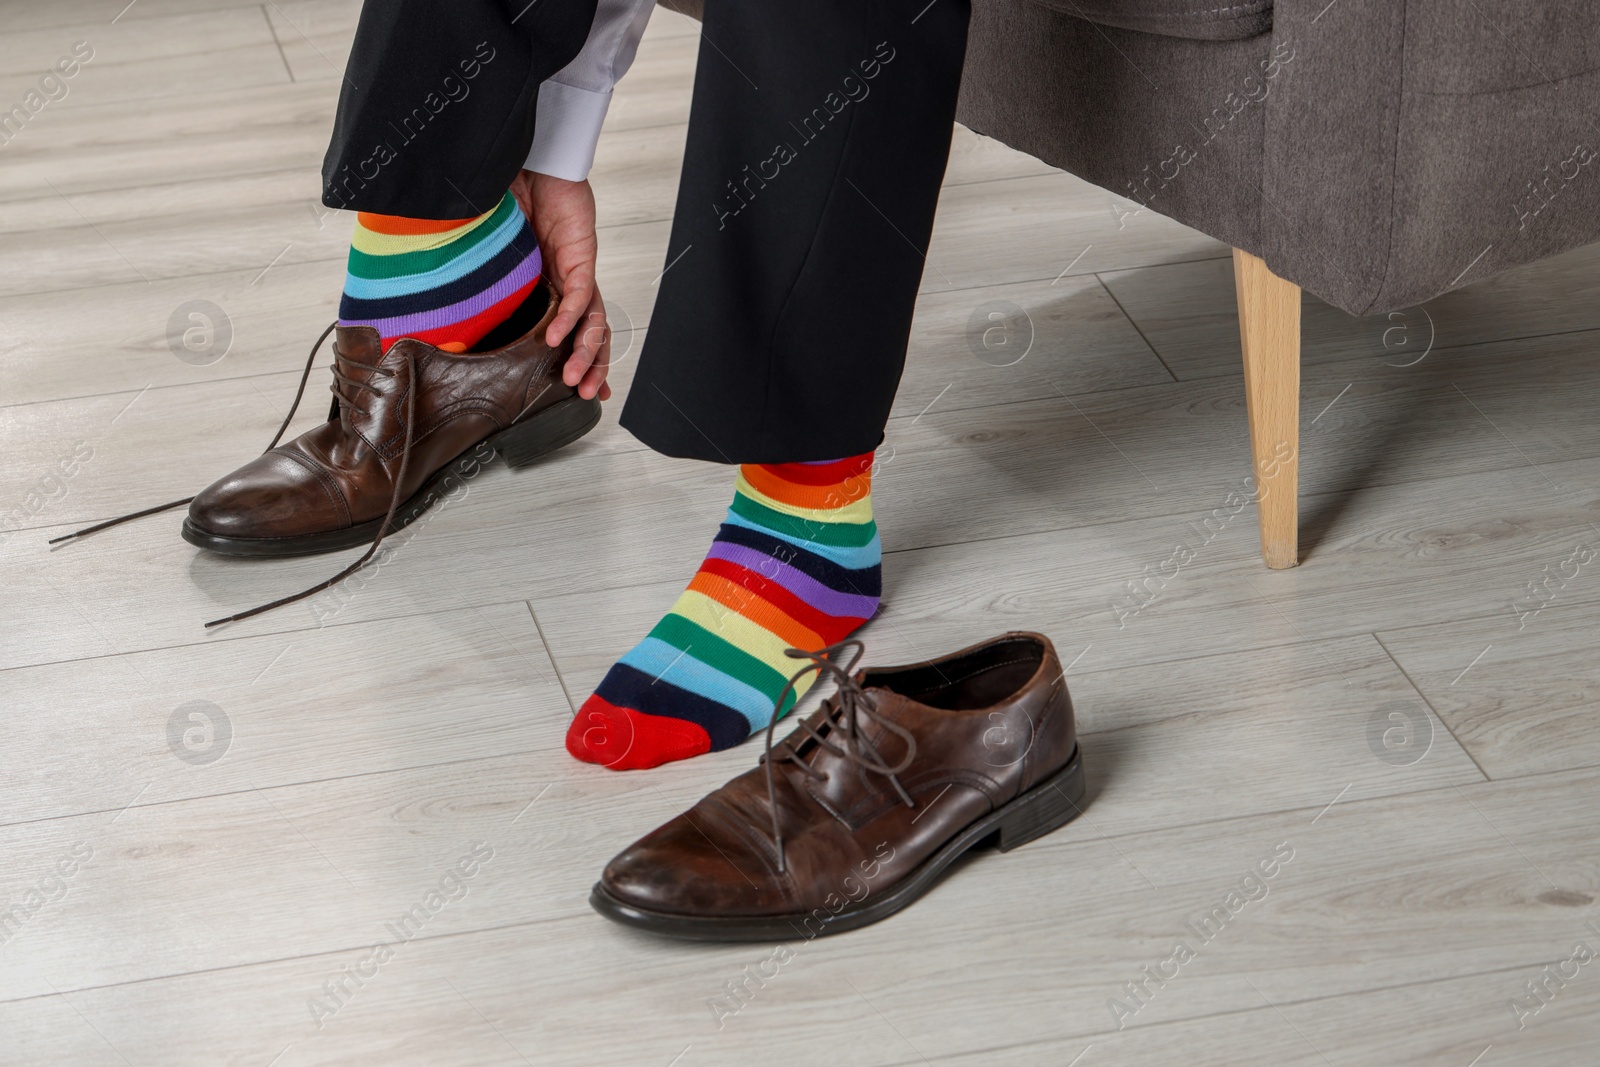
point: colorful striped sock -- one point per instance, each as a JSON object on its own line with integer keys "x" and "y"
{"x": 444, "y": 282}
{"x": 795, "y": 564}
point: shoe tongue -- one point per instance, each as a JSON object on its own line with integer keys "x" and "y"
{"x": 360, "y": 347}
{"x": 359, "y": 344}
{"x": 886, "y": 702}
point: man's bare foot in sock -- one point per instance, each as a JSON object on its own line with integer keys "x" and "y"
{"x": 795, "y": 564}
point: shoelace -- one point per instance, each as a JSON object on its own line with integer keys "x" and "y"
{"x": 346, "y": 402}
{"x": 843, "y": 714}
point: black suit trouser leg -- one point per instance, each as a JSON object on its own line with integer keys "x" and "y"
{"x": 816, "y": 146}
{"x": 436, "y": 109}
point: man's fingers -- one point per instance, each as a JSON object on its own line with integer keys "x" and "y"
{"x": 587, "y": 344}
{"x": 578, "y": 296}
{"x": 594, "y": 384}
{"x": 597, "y": 340}
{"x": 591, "y": 351}
{"x": 582, "y": 358}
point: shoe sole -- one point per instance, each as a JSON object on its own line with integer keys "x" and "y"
{"x": 1047, "y": 806}
{"x": 521, "y": 444}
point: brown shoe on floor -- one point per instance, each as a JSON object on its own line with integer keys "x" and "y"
{"x": 402, "y": 422}
{"x": 858, "y": 811}
{"x": 403, "y": 425}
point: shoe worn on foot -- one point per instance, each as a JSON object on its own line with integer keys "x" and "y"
{"x": 402, "y": 422}
{"x": 857, "y": 812}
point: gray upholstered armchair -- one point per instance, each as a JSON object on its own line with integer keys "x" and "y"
{"x": 1376, "y": 153}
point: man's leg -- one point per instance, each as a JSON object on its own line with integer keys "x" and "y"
{"x": 816, "y": 148}
{"x": 436, "y": 110}
{"x": 441, "y": 356}
{"x": 435, "y": 118}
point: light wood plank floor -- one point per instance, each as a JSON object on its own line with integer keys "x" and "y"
{"x": 363, "y": 743}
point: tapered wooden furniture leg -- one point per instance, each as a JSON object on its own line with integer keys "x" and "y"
{"x": 1269, "y": 332}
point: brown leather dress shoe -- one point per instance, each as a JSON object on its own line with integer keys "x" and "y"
{"x": 403, "y": 421}
{"x": 858, "y": 811}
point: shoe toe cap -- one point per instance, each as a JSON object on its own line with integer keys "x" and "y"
{"x": 678, "y": 870}
{"x": 273, "y": 495}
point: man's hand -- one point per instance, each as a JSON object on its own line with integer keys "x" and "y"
{"x": 562, "y": 214}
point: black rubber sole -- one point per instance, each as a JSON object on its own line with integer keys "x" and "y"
{"x": 536, "y": 436}
{"x": 1047, "y": 806}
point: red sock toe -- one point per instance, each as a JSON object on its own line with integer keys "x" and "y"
{"x": 627, "y": 740}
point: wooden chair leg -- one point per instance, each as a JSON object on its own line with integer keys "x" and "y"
{"x": 1269, "y": 332}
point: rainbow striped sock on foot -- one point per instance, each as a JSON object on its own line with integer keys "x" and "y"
{"x": 445, "y": 282}
{"x": 797, "y": 563}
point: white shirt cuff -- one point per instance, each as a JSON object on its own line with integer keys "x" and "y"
{"x": 566, "y": 127}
